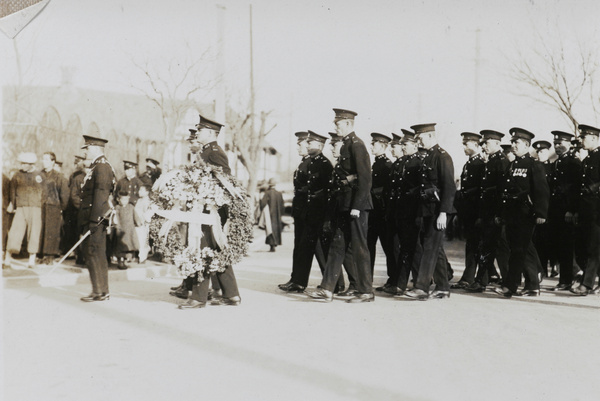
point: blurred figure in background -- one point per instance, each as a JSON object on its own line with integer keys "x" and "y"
{"x": 271, "y": 206}
{"x": 142, "y": 209}
{"x": 70, "y": 234}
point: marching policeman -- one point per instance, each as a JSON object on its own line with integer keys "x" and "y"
{"x": 97, "y": 186}
{"x": 379, "y": 228}
{"x": 352, "y": 214}
{"x": 467, "y": 205}
{"x": 437, "y": 198}
{"x": 588, "y": 216}
{"x": 541, "y": 237}
{"x": 494, "y": 172}
{"x": 565, "y": 185}
{"x": 311, "y": 216}
{"x": 407, "y": 194}
{"x": 525, "y": 196}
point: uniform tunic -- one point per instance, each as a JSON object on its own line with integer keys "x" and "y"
{"x": 589, "y": 215}
{"x": 525, "y": 197}
{"x": 97, "y": 186}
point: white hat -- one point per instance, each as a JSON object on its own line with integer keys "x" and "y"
{"x": 27, "y": 157}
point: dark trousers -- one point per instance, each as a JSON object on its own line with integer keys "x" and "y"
{"x": 433, "y": 260}
{"x": 307, "y": 235}
{"x": 488, "y": 247}
{"x": 561, "y": 239}
{"x": 591, "y": 231}
{"x": 380, "y": 228}
{"x": 546, "y": 253}
{"x": 522, "y": 261}
{"x": 321, "y": 251}
{"x": 94, "y": 250}
{"x": 472, "y": 235}
{"x": 350, "y": 233}
{"x": 227, "y": 283}
{"x": 409, "y": 247}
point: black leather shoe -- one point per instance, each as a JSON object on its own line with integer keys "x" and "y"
{"x": 350, "y": 292}
{"x": 192, "y": 304}
{"x": 494, "y": 279}
{"x": 561, "y": 287}
{"x": 359, "y": 298}
{"x": 382, "y": 288}
{"x": 393, "y": 290}
{"x": 233, "y": 301}
{"x": 320, "y": 293}
{"x": 214, "y": 294}
{"x": 181, "y": 293}
{"x": 553, "y": 273}
{"x": 121, "y": 265}
{"x": 505, "y": 292}
{"x": 439, "y": 294}
{"x": 294, "y": 288}
{"x": 461, "y": 285}
{"x": 528, "y": 293}
{"x": 179, "y": 287}
{"x": 96, "y": 297}
{"x": 417, "y": 294}
{"x": 285, "y": 286}
{"x": 582, "y": 290}
{"x": 475, "y": 287}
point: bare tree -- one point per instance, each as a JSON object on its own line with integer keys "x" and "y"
{"x": 557, "y": 79}
{"x": 175, "y": 87}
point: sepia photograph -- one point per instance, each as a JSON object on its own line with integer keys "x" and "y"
{"x": 300, "y": 200}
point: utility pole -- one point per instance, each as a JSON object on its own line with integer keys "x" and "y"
{"x": 251, "y": 79}
{"x": 476, "y": 89}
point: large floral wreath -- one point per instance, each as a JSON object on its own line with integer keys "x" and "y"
{"x": 191, "y": 197}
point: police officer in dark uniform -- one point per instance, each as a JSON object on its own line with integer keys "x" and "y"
{"x": 212, "y": 153}
{"x": 379, "y": 228}
{"x": 406, "y": 197}
{"x": 437, "y": 198}
{"x": 588, "y": 215}
{"x": 97, "y": 186}
{"x": 525, "y": 196}
{"x": 312, "y": 215}
{"x": 565, "y": 185}
{"x": 494, "y": 172}
{"x": 466, "y": 203}
{"x": 352, "y": 214}
{"x": 541, "y": 237}
{"x": 131, "y": 183}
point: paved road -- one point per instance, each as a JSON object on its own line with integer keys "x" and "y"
{"x": 139, "y": 346}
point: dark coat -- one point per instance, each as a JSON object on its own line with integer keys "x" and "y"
{"x": 437, "y": 183}
{"x": 410, "y": 184}
{"x": 354, "y": 160}
{"x": 525, "y": 191}
{"x": 467, "y": 198}
{"x": 589, "y": 204}
{"x": 274, "y": 200}
{"x": 565, "y": 186}
{"x": 56, "y": 198}
{"x": 131, "y": 186}
{"x": 26, "y": 189}
{"x": 97, "y": 186}
{"x": 300, "y": 189}
{"x": 492, "y": 182}
{"x": 213, "y": 154}
{"x": 318, "y": 182}
{"x": 380, "y": 181}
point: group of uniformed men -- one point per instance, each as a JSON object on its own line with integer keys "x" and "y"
{"x": 517, "y": 211}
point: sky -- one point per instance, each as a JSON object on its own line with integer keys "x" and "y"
{"x": 396, "y": 63}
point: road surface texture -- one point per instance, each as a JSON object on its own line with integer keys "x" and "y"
{"x": 277, "y": 346}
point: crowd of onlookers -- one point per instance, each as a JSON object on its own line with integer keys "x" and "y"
{"x": 40, "y": 207}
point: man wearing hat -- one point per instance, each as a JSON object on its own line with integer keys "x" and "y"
{"x": 97, "y": 186}
{"x": 489, "y": 208}
{"x": 26, "y": 193}
{"x": 525, "y": 196}
{"x": 131, "y": 183}
{"x": 353, "y": 173}
{"x": 311, "y": 218}
{"x": 152, "y": 172}
{"x": 588, "y": 215}
{"x": 212, "y": 153}
{"x": 437, "y": 198}
{"x": 379, "y": 228}
{"x": 406, "y": 206}
{"x": 466, "y": 203}
{"x": 565, "y": 185}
